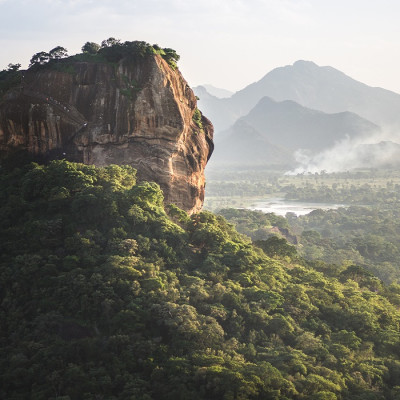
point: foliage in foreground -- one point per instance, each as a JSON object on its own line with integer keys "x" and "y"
{"x": 105, "y": 295}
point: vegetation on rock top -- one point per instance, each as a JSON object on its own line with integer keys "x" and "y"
{"x": 111, "y": 50}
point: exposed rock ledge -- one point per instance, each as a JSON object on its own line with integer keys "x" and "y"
{"x": 134, "y": 112}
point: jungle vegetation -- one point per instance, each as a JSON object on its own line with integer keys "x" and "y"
{"x": 108, "y": 294}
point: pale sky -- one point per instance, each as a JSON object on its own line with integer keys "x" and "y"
{"x": 226, "y": 43}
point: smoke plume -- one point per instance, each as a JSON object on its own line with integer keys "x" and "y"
{"x": 377, "y": 151}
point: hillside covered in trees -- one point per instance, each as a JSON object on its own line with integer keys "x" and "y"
{"x": 106, "y": 294}
{"x": 365, "y": 230}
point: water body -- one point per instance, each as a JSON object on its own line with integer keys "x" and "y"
{"x": 280, "y": 206}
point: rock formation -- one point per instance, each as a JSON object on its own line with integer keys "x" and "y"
{"x": 137, "y": 111}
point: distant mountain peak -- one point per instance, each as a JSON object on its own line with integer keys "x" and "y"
{"x": 202, "y": 92}
{"x": 305, "y": 63}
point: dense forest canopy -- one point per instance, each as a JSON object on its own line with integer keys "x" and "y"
{"x": 106, "y": 294}
{"x": 364, "y": 231}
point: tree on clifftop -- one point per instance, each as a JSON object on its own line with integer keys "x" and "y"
{"x": 172, "y": 57}
{"x": 13, "y": 67}
{"x": 110, "y": 42}
{"x": 90, "y": 47}
{"x": 40, "y": 58}
{"x": 58, "y": 52}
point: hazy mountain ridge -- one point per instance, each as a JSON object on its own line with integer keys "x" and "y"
{"x": 273, "y": 131}
{"x": 219, "y": 111}
{"x": 322, "y": 88}
{"x": 216, "y": 91}
{"x": 244, "y": 145}
{"x": 309, "y": 107}
{"x": 293, "y": 126}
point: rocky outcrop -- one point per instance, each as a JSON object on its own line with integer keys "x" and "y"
{"x": 138, "y": 112}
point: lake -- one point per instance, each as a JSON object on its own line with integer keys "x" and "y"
{"x": 280, "y": 206}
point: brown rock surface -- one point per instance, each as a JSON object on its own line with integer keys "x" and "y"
{"x": 138, "y": 113}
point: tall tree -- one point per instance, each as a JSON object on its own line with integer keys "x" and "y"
{"x": 110, "y": 42}
{"x": 40, "y": 58}
{"x": 58, "y": 52}
{"x": 90, "y": 47}
{"x": 13, "y": 67}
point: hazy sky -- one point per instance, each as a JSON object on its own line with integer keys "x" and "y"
{"x": 227, "y": 43}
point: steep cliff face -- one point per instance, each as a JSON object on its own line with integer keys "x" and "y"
{"x": 138, "y": 112}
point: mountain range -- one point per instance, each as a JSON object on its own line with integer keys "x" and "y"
{"x": 273, "y": 131}
{"x": 298, "y": 107}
